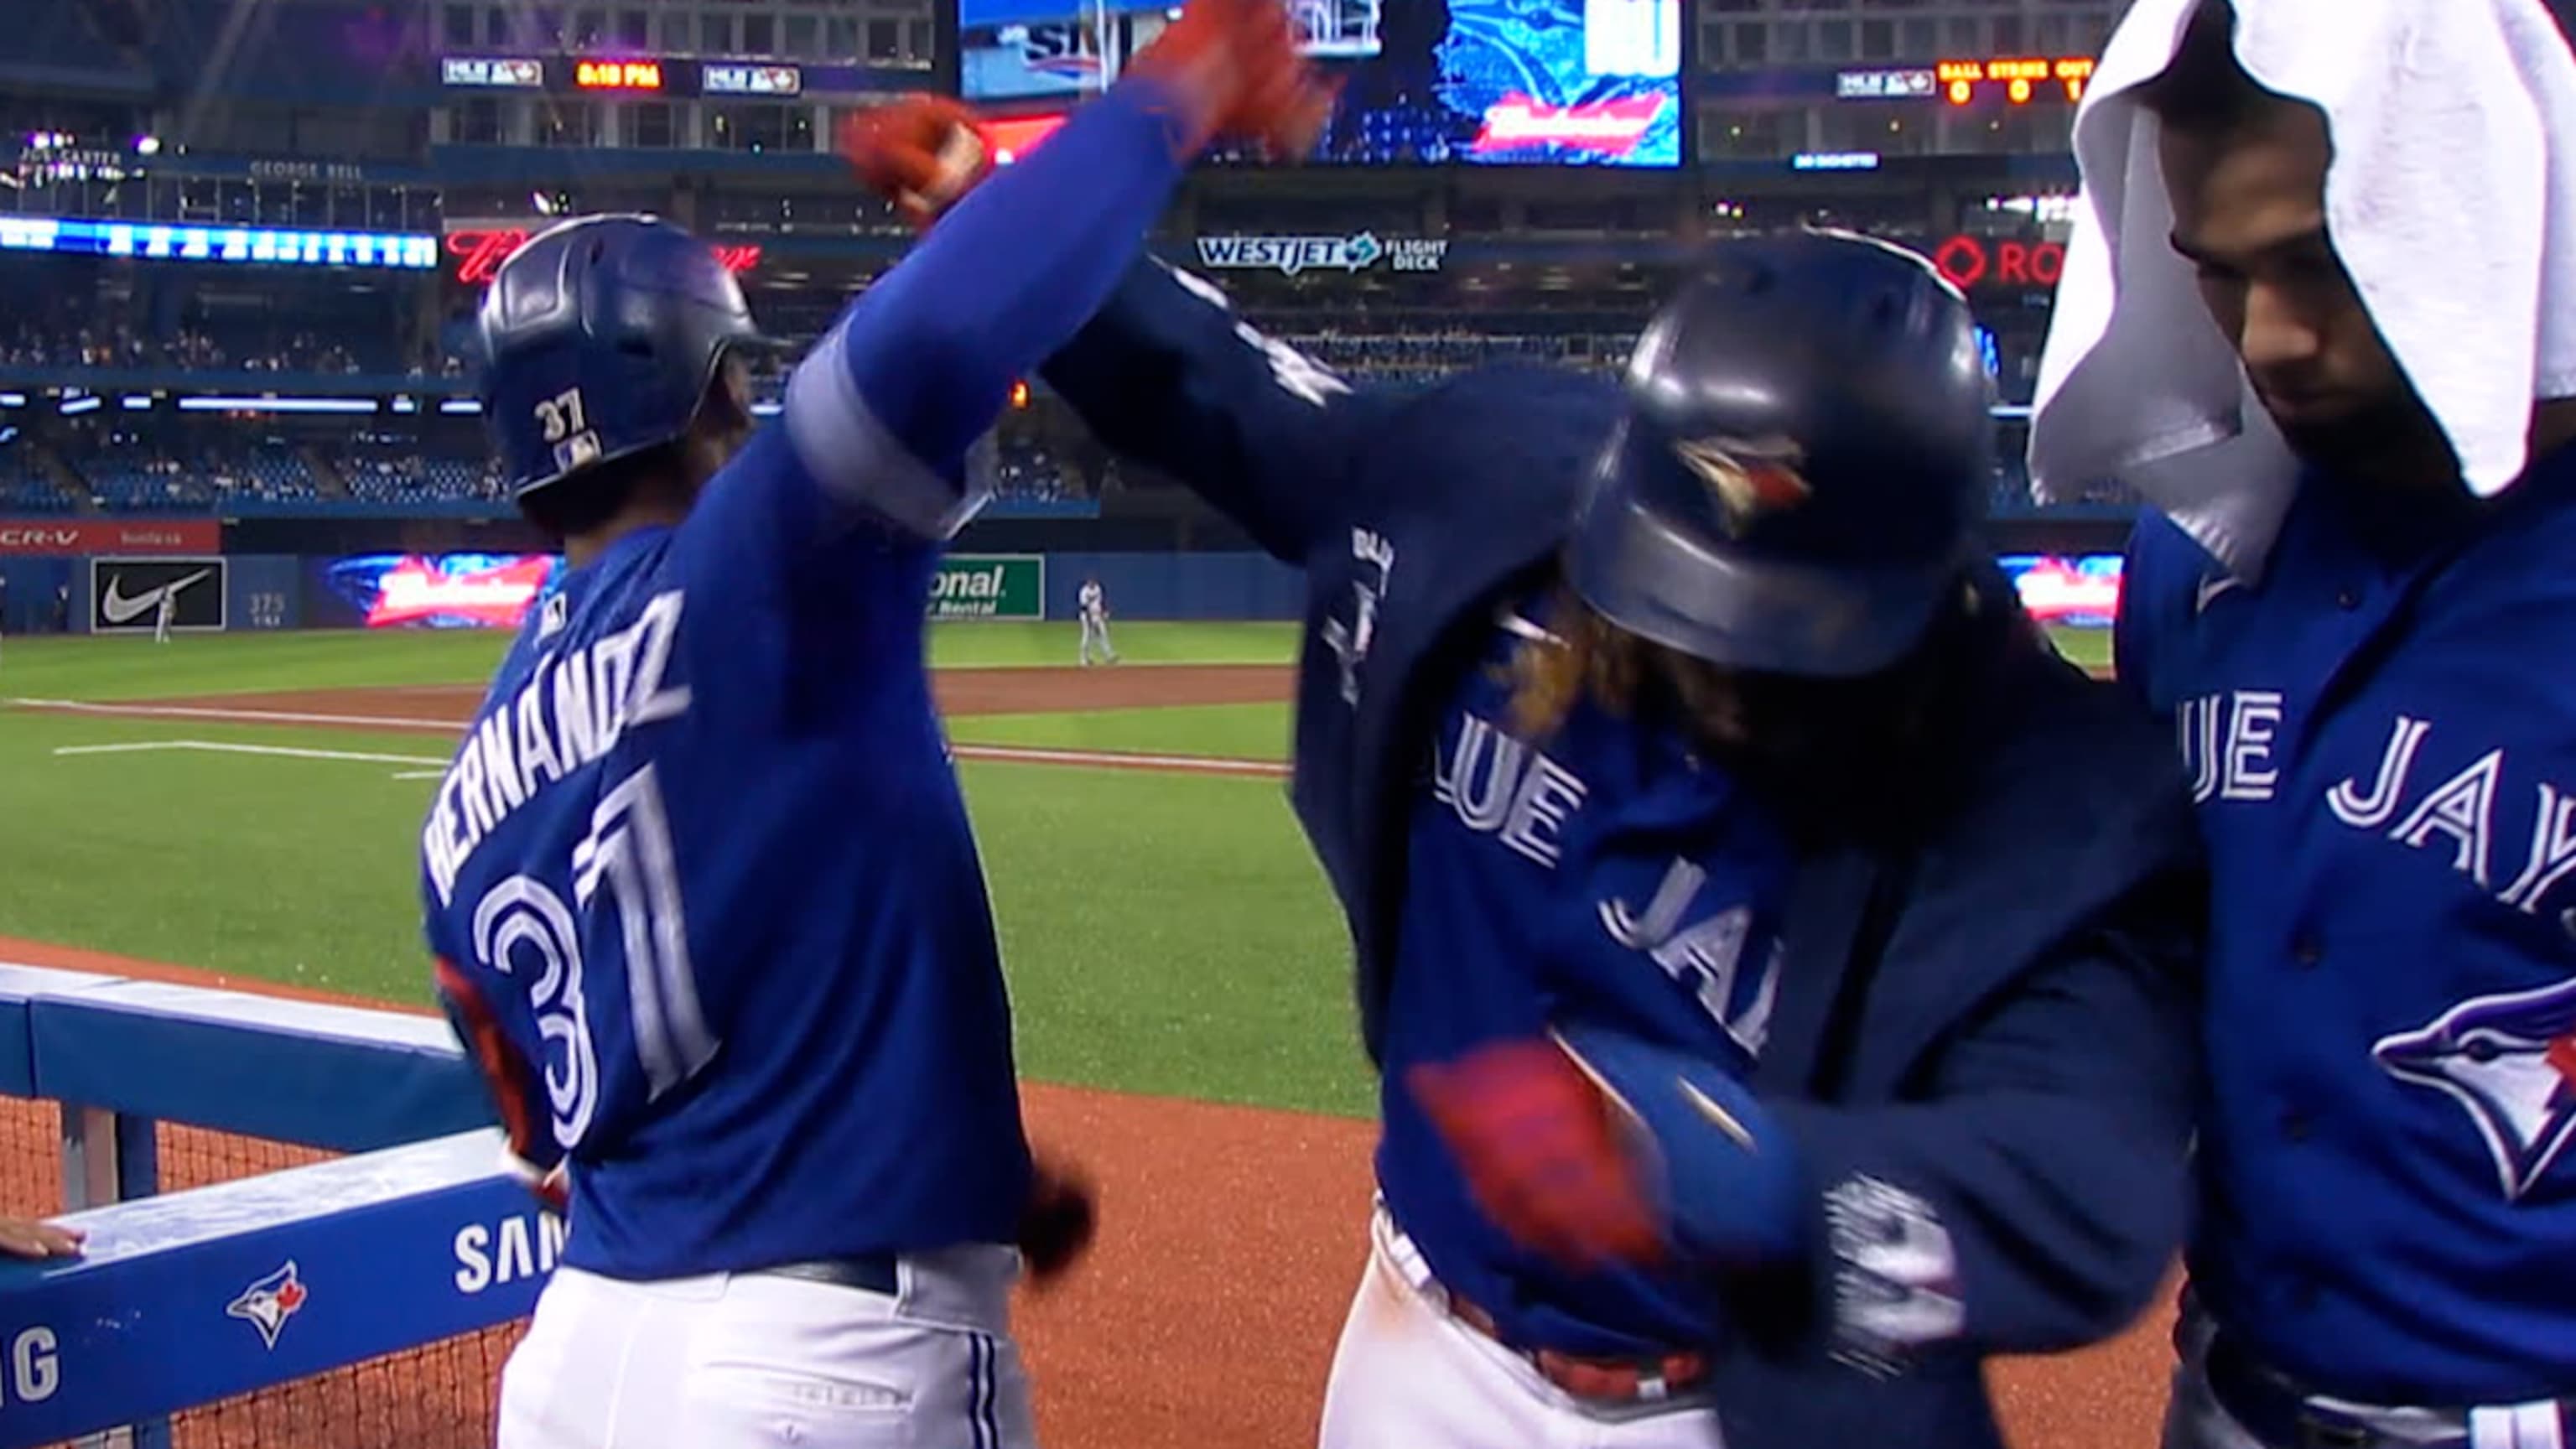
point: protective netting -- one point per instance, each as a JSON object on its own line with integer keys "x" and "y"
{"x": 435, "y": 1397}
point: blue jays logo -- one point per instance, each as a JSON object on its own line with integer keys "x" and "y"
{"x": 268, "y": 1303}
{"x": 2510, "y": 1062}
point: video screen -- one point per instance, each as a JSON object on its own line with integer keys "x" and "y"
{"x": 2082, "y": 592}
{"x": 445, "y": 590}
{"x": 1424, "y": 82}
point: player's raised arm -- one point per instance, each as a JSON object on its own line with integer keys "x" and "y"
{"x": 1165, "y": 373}
{"x": 886, "y": 408}
{"x": 1168, "y": 375}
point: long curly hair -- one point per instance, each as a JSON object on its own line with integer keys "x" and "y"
{"x": 1837, "y": 757}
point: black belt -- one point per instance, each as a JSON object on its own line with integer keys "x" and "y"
{"x": 869, "y": 1273}
{"x": 2284, "y": 1414}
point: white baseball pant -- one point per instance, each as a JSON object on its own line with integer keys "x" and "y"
{"x": 752, "y": 1361}
{"x": 1096, "y": 627}
{"x": 1410, "y": 1376}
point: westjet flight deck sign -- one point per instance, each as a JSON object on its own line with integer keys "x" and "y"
{"x": 1290, "y": 255}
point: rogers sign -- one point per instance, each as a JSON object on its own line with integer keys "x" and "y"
{"x": 70, "y": 538}
{"x": 1975, "y": 261}
{"x": 476, "y": 255}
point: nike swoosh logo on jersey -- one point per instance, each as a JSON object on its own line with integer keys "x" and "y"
{"x": 2211, "y": 588}
{"x": 117, "y": 609}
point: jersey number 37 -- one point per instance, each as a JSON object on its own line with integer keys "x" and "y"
{"x": 625, "y": 886}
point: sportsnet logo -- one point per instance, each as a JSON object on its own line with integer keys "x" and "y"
{"x": 1290, "y": 255}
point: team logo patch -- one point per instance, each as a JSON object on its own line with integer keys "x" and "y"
{"x": 1751, "y": 478}
{"x": 268, "y": 1303}
{"x": 2509, "y": 1061}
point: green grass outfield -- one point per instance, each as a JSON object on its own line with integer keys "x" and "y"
{"x": 1164, "y": 933}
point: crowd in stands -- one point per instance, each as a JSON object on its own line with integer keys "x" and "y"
{"x": 119, "y": 345}
{"x": 1427, "y": 356}
{"x": 1026, "y": 471}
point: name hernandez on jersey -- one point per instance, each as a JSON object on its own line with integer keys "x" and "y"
{"x": 571, "y": 713}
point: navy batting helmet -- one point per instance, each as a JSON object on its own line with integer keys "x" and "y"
{"x": 599, "y": 338}
{"x": 1804, "y": 462}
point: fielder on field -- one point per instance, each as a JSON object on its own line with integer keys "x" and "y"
{"x": 2330, "y": 334}
{"x": 700, "y": 882}
{"x": 1780, "y": 975}
{"x": 1092, "y": 602}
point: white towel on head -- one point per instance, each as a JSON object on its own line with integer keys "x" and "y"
{"x": 2448, "y": 200}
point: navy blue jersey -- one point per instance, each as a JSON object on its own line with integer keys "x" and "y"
{"x": 2383, "y": 749}
{"x": 1602, "y": 875}
{"x": 706, "y": 829}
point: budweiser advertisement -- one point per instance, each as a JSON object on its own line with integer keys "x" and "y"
{"x": 73, "y": 537}
{"x": 475, "y": 253}
{"x": 445, "y": 590}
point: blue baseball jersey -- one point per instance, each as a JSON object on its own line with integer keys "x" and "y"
{"x": 2382, "y": 743}
{"x": 700, "y": 880}
{"x": 1601, "y": 875}
{"x": 703, "y": 861}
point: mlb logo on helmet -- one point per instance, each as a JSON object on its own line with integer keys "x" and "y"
{"x": 1752, "y": 479}
{"x": 267, "y": 1303}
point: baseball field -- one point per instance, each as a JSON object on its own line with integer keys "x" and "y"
{"x": 245, "y": 807}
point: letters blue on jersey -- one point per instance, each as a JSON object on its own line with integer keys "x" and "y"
{"x": 705, "y": 859}
{"x": 1603, "y": 875}
{"x": 2384, "y": 757}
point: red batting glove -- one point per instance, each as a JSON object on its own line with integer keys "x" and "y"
{"x": 1233, "y": 68}
{"x": 1540, "y": 1148}
{"x": 920, "y": 153}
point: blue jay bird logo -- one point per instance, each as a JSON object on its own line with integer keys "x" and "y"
{"x": 269, "y": 1302}
{"x": 2510, "y": 1062}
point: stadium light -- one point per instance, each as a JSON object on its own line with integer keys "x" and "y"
{"x": 458, "y": 406}
{"x": 405, "y": 405}
{"x": 75, "y": 406}
{"x": 2012, "y": 412}
{"x": 277, "y": 405}
{"x": 764, "y": 410}
{"x": 138, "y": 404}
{"x": 13, "y": 399}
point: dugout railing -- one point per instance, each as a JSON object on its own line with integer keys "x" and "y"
{"x": 299, "y": 1230}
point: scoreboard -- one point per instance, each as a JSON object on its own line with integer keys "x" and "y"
{"x": 1963, "y": 81}
{"x": 2018, "y": 80}
{"x": 643, "y": 76}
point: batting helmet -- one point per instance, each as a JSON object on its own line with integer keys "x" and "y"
{"x": 1804, "y": 461}
{"x": 599, "y": 338}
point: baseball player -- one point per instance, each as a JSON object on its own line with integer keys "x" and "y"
{"x": 2347, "y": 600}
{"x": 162, "y": 614}
{"x": 1778, "y": 974}
{"x": 1093, "y": 605}
{"x": 700, "y": 884}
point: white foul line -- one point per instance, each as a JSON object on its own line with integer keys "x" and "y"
{"x": 990, "y": 754}
{"x": 1186, "y": 764}
{"x": 221, "y": 747}
{"x": 240, "y": 716}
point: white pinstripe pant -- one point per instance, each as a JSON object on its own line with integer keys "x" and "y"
{"x": 750, "y": 1361}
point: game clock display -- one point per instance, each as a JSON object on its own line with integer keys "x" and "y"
{"x": 1424, "y": 82}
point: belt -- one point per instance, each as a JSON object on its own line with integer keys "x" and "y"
{"x": 2285, "y": 1414}
{"x": 868, "y": 1273}
{"x": 1602, "y": 1380}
